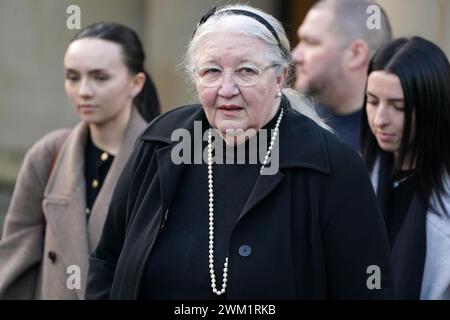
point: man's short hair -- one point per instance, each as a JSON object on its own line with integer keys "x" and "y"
{"x": 350, "y": 22}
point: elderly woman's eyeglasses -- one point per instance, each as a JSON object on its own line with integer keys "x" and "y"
{"x": 245, "y": 76}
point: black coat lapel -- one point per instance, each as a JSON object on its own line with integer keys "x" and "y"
{"x": 170, "y": 175}
{"x": 384, "y": 179}
{"x": 263, "y": 187}
{"x": 408, "y": 252}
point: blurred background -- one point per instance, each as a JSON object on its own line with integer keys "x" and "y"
{"x": 34, "y": 36}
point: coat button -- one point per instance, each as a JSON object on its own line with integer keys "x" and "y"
{"x": 245, "y": 250}
{"x": 52, "y": 256}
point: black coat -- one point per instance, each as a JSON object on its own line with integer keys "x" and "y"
{"x": 409, "y": 248}
{"x": 313, "y": 228}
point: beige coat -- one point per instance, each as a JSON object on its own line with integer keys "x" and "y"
{"x": 47, "y": 239}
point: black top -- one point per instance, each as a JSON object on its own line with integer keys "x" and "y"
{"x": 178, "y": 267}
{"x": 398, "y": 202}
{"x": 347, "y": 126}
{"x": 97, "y": 164}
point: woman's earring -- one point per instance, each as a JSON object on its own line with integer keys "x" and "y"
{"x": 278, "y": 95}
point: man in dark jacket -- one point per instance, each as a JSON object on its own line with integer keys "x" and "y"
{"x": 337, "y": 40}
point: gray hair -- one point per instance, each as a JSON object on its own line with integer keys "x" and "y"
{"x": 245, "y": 25}
{"x": 350, "y": 22}
{"x": 277, "y": 53}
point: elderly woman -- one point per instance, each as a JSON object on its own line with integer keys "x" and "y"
{"x": 301, "y": 222}
{"x": 406, "y": 127}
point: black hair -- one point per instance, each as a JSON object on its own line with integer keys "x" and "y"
{"x": 424, "y": 73}
{"x": 147, "y": 101}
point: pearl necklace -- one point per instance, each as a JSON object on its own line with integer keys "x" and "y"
{"x": 211, "y": 207}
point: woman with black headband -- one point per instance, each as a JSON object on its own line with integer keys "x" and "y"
{"x": 241, "y": 196}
